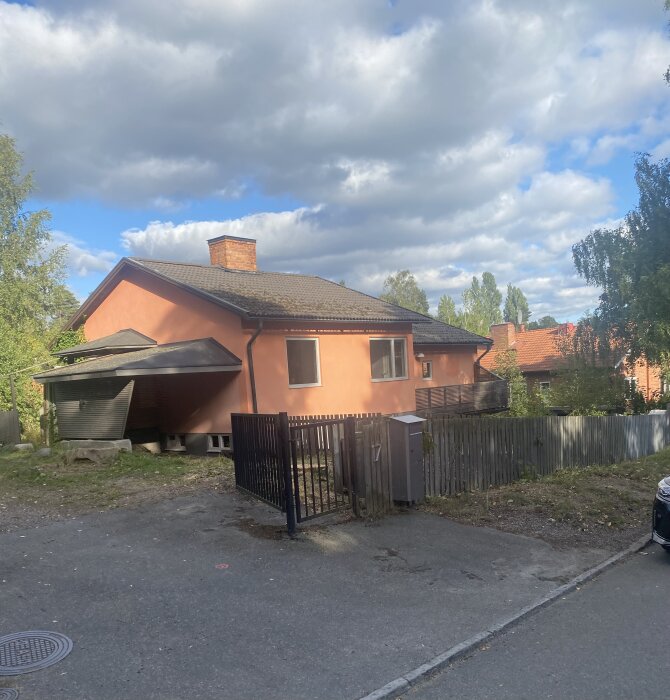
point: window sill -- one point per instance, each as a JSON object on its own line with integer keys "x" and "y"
{"x": 302, "y": 386}
{"x": 389, "y": 379}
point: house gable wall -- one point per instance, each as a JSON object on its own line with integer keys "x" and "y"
{"x": 168, "y": 314}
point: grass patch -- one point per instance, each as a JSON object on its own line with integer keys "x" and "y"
{"x": 599, "y": 505}
{"x": 50, "y": 484}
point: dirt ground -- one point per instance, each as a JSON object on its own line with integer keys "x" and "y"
{"x": 603, "y": 506}
{"x": 35, "y": 490}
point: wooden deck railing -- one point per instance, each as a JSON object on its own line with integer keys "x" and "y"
{"x": 480, "y": 397}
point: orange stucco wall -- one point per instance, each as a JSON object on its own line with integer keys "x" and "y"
{"x": 196, "y": 403}
{"x": 203, "y": 403}
{"x": 346, "y": 384}
{"x": 648, "y": 377}
{"x": 454, "y": 367}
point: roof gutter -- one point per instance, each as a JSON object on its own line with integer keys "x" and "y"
{"x": 483, "y": 355}
{"x": 250, "y": 359}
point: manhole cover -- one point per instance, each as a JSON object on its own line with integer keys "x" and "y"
{"x": 8, "y": 694}
{"x": 23, "y": 652}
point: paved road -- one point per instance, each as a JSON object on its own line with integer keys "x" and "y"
{"x": 607, "y": 640}
{"x": 189, "y": 599}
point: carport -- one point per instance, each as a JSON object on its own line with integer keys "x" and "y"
{"x": 151, "y": 390}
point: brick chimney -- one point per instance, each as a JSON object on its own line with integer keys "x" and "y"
{"x": 504, "y": 335}
{"x": 233, "y": 252}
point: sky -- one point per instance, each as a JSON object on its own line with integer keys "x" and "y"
{"x": 352, "y": 139}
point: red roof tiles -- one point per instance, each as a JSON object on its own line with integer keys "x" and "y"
{"x": 536, "y": 351}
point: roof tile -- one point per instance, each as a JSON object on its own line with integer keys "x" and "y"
{"x": 536, "y": 350}
{"x": 278, "y": 295}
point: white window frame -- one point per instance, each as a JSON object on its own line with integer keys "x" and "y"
{"x": 544, "y": 386}
{"x": 318, "y": 361}
{"x": 430, "y": 376}
{"x": 631, "y": 385}
{"x": 394, "y": 378}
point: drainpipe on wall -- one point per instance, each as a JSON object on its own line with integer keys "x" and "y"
{"x": 482, "y": 356}
{"x": 250, "y": 359}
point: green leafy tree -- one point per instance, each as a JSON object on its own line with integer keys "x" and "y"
{"x": 33, "y": 298}
{"x": 516, "y": 309}
{"x": 589, "y": 381}
{"x": 481, "y": 304}
{"x": 544, "y": 322}
{"x": 446, "y": 311}
{"x": 402, "y": 289}
{"x": 631, "y": 264}
{"x": 69, "y": 338}
{"x": 506, "y": 366}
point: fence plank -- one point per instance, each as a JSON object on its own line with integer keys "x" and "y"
{"x": 475, "y": 453}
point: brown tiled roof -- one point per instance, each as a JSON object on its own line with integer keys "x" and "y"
{"x": 277, "y": 295}
{"x": 438, "y": 333}
{"x": 536, "y": 351}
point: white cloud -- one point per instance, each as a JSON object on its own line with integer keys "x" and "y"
{"x": 519, "y": 237}
{"x": 421, "y": 138}
{"x": 82, "y": 260}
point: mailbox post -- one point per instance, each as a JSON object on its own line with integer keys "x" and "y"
{"x": 406, "y": 442}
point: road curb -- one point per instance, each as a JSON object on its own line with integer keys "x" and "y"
{"x": 405, "y": 682}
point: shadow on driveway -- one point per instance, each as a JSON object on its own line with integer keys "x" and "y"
{"x": 206, "y": 598}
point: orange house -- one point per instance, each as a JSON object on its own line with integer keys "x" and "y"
{"x": 173, "y": 349}
{"x": 538, "y": 355}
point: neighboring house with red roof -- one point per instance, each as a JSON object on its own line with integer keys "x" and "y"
{"x": 538, "y": 354}
{"x": 174, "y": 348}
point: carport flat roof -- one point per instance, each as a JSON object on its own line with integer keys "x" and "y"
{"x": 185, "y": 357}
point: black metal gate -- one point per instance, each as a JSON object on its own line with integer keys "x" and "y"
{"x": 322, "y": 459}
{"x": 305, "y": 469}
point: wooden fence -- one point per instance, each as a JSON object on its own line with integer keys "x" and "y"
{"x": 465, "y": 454}
{"x": 10, "y": 430}
{"x": 464, "y": 398}
{"x": 306, "y": 420}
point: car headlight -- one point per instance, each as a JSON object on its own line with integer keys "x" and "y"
{"x": 663, "y": 493}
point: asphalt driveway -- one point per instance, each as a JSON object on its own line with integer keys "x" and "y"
{"x": 191, "y": 598}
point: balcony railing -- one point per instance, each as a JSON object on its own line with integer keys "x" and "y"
{"x": 480, "y": 397}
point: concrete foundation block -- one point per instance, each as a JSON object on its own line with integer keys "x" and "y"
{"x": 92, "y": 454}
{"x": 120, "y": 445}
{"x": 24, "y": 447}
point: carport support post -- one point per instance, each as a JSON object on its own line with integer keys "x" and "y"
{"x": 285, "y": 446}
{"x": 12, "y": 389}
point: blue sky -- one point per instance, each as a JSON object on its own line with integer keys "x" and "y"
{"x": 351, "y": 139}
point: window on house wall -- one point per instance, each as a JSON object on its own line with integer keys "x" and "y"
{"x": 388, "y": 358}
{"x": 303, "y": 362}
{"x": 427, "y": 369}
{"x": 631, "y": 386}
{"x": 544, "y": 387}
{"x": 219, "y": 443}
{"x": 176, "y": 443}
